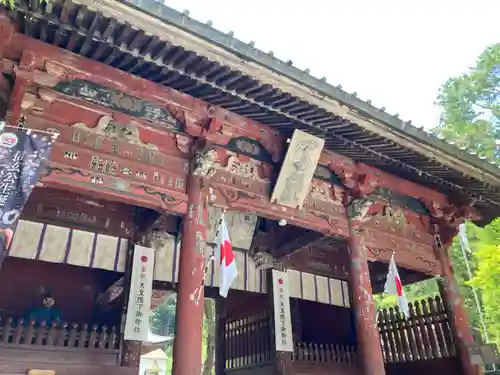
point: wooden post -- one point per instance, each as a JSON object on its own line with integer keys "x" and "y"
{"x": 190, "y": 294}
{"x": 4, "y": 95}
{"x": 450, "y": 294}
{"x": 220, "y": 341}
{"x": 369, "y": 346}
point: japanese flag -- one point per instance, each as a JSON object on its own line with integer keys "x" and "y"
{"x": 394, "y": 286}
{"x": 228, "y": 270}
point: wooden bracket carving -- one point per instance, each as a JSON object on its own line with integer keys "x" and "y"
{"x": 452, "y": 215}
{"x": 106, "y": 127}
{"x": 264, "y": 261}
{"x": 358, "y": 209}
{"x": 204, "y": 163}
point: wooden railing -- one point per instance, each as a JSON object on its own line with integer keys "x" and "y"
{"x": 64, "y": 335}
{"x": 324, "y": 353}
{"x": 248, "y": 341}
{"x": 425, "y": 335}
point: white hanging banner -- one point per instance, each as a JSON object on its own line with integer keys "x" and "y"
{"x": 139, "y": 299}
{"x": 282, "y": 314}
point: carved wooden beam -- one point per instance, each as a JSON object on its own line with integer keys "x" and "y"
{"x": 304, "y": 239}
{"x": 151, "y": 226}
{"x": 144, "y": 220}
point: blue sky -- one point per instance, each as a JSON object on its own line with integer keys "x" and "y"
{"x": 395, "y": 53}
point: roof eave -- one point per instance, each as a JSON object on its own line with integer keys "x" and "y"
{"x": 179, "y": 29}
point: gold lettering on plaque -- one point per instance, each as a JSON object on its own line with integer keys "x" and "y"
{"x": 103, "y": 165}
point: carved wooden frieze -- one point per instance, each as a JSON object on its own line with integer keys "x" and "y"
{"x": 394, "y": 199}
{"x": 242, "y": 183}
{"x": 325, "y": 198}
{"x": 389, "y": 228}
{"x": 408, "y": 255}
{"x": 118, "y": 101}
{"x": 55, "y": 108}
{"x": 376, "y": 182}
{"x": 241, "y": 226}
{"x": 103, "y": 164}
{"x": 342, "y": 168}
{"x": 104, "y": 134}
{"x": 265, "y": 261}
{"x": 325, "y": 201}
{"x": 324, "y": 173}
{"x": 297, "y": 171}
{"x": 327, "y": 220}
{"x": 249, "y": 147}
{"x": 107, "y": 88}
{"x": 244, "y": 136}
{"x": 106, "y": 127}
{"x": 110, "y": 187}
{"x": 222, "y": 166}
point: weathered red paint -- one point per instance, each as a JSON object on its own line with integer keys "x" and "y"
{"x": 39, "y": 67}
{"x": 369, "y": 178}
{"x": 363, "y": 304}
{"x": 460, "y": 322}
{"x": 190, "y": 292}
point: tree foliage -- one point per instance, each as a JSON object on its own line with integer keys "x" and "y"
{"x": 470, "y": 105}
{"x": 470, "y": 118}
{"x": 487, "y": 277}
{"x": 162, "y": 320}
{"x": 11, "y": 4}
{"x": 162, "y": 323}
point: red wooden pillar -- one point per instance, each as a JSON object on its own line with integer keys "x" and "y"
{"x": 450, "y": 293}
{"x": 4, "y": 95}
{"x": 370, "y": 350}
{"x": 190, "y": 296}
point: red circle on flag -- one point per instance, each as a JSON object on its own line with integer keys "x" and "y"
{"x": 8, "y": 140}
{"x": 144, "y": 259}
{"x": 280, "y": 281}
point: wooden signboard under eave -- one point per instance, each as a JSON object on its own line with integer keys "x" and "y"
{"x": 294, "y": 180}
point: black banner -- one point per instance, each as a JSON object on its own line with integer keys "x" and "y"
{"x": 23, "y": 154}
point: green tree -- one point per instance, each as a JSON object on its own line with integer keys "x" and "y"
{"x": 470, "y": 117}
{"x": 162, "y": 320}
{"x": 162, "y": 323}
{"x": 11, "y": 4}
{"x": 414, "y": 292}
{"x": 470, "y": 105}
{"x": 487, "y": 276}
